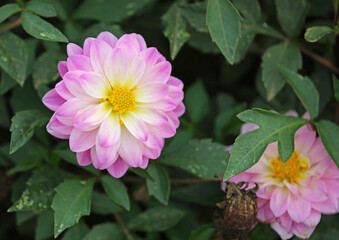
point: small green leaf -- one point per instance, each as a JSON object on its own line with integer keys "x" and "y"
{"x": 141, "y": 172}
{"x": 101, "y": 204}
{"x": 159, "y": 188}
{"x": 7, "y": 83}
{"x": 224, "y": 24}
{"x": 13, "y": 56}
{"x": 181, "y": 138}
{"x": 304, "y": 89}
{"x": 249, "y": 9}
{"x": 314, "y": 34}
{"x": 116, "y": 191}
{"x": 195, "y": 94}
{"x": 39, "y": 28}
{"x": 249, "y": 147}
{"x": 109, "y": 10}
{"x": 195, "y": 15}
{"x": 76, "y": 232}
{"x": 336, "y": 87}
{"x": 43, "y": 8}
{"x": 7, "y": 10}
{"x": 283, "y": 54}
{"x": 71, "y": 201}
{"x": 105, "y": 231}
{"x": 291, "y": 15}
{"x": 202, "y": 158}
{"x": 44, "y": 226}
{"x": 156, "y": 219}
{"x": 22, "y": 128}
{"x": 329, "y": 133}
{"x": 25, "y": 165}
{"x": 175, "y": 29}
{"x": 204, "y": 232}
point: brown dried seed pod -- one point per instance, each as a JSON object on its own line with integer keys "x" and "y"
{"x": 236, "y": 214}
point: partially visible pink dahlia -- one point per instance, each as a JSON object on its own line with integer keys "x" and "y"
{"x": 293, "y": 195}
{"x": 116, "y": 102}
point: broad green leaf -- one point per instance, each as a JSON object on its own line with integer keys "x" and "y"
{"x": 39, "y": 192}
{"x": 156, "y": 219}
{"x": 71, "y": 201}
{"x": 249, "y": 9}
{"x": 202, "y": 42}
{"x": 202, "y": 158}
{"x": 224, "y": 24}
{"x": 39, "y": 28}
{"x": 105, "y": 231}
{"x": 13, "y": 56}
{"x": 45, "y": 68}
{"x": 181, "y": 138}
{"x": 44, "y": 226}
{"x": 22, "y": 127}
{"x": 291, "y": 15}
{"x": 7, "y": 10}
{"x": 43, "y": 8}
{"x": 159, "y": 188}
{"x": 116, "y": 191}
{"x": 7, "y": 83}
{"x": 195, "y": 14}
{"x": 109, "y": 10}
{"x": 175, "y": 29}
{"x": 336, "y": 87}
{"x": 283, "y": 54}
{"x": 204, "y": 232}
{"x": 25, "y": 165}
{"x": 101, "y": 204}
{"x": 304, "y": 89}
{"x": 249, "y": 147}
{"x": 22, "y": 217}
{"x": 141, "y": 172}
{"x": 329, "y": 133}
{"x": 76, "y": 232}
{"x": 314, "y": 34}
{"x": 196, "y": 93}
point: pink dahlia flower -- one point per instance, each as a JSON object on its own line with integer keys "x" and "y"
{"x": 116, "y": 102}
{"x": 293, "y": 195}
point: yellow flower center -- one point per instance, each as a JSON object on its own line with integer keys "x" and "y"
{"x": 121, "y": 99}
{"x": 292, "y": 170}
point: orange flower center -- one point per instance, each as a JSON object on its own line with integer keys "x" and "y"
{"x": 292, "y": 170}
{"x": 121, "y": 99}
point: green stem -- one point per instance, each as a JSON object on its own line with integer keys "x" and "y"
{"x": 11, "y": 25}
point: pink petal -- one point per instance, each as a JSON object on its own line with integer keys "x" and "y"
{"x": 119, "y": 168}
{"x": 84, "y": 158}
{"x": 116, "y": 67}
{"x": 109, "y": 132}
{"x": 129, "y": 51}
{"x": 302, "y": 231}
{"x": 62, "y": 68}
{"x": 144, "y": 163}
{"x": 180, "y": 109}
{"x": 95, "y": 160}
{"x": 283, "y": 233}
{"x": 81, "y": 141}
{"x": 151, "y": 92}
{"x": 150, "y": 56}
{"x": 280, "y": 201}
{"x": 87, "y": 45}
{"x": 317, "y": 152}
{"x": 313, "y": 219}
{"x": 107, "y": 156}
{"x": 136, "y": 40}
{"x": 325, "y": 207}
{"x": 98, "y": 52}
{"x": 92, "y": 115}
{"x": 151, "y": 153}
{"x": 247, "y": 127}
{"x": 304, "y": 140}
{"x": 65, "y": 114}
{"x": 291, "y": 113}
{"x": 73, "y": 49}
{"x": 299, "y": 209}
{"x": 135, "y": 126}
{"x": 285, "y": 221}
{"x": 57, "y": 129}
{"x": 155, "y": 141}
{"x": 131, "y": 149}
{"x": 176, "y": 94}
{"x": 165, "y": 104}
{"x": 79, "y": 62}
{"x": 265, "y": 214}
{"x": 95, "y": 85}
{"x": 176, "y": 82}
{"x": 160, "y": 73}
{"x": 151, "y": 116}
{"x": 316, "y": 192}
{"x": 108, "y": 38}
{"x": 134, "y": 72}
{"x": 72, "y": 83}
{"x": 62, "y": 90}
{"x": 52, "y": 100}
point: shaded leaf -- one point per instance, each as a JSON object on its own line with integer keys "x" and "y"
{"x": 7, "y": 10}
{"x": 195, "y": 15}
{"x": 101, "y": 204}
{"x": 196, "y": 93}
{"x": 336, "y": 87}
{"x": 304, "y": 89}
{"x": 159, "y": 188}
{"x": 141, "y": 172}
{"x": 116, "y": 191}
{"x": 7, "y": 83}
{"x": 202, "y": 158}
{"x": 76, "y": 232}
{"x": 71, "y": 201}
{"x": 224, "y": 24}
{"x": 204, "y": 232}
{"x": 43, "y": 8}
{"x": 44, "y": 226}
{"x": 249, "y": 147}
{"x": 314, "y": 34}
{"x": 105, "y": 231}
{"x": 39, "y": 28}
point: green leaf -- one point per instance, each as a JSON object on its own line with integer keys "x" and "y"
{"x": 314, "y": 34}
{"x": 291, "y": 15}
{"x": 76, "y": 232}
{"x": 7, "y": 10}
{"x": 44, "y": 226}
{"x": 109, "y": 10}
{"x": 283, "y": 54}
{"x": 249, "y": 9}
{"x": 7, "y": 83}
{"x": 159, "y": 188}
{"x": 202, "y": 158}
{"x": 116, "y": 191}
{"x": 22, "y": 128}
{"x": 13, "y": 56}
{"x": 195, "y": 15}
{"x": 40, "y": 190}
{"x": 39, "y": 28}
{"x": 101, "y": 204}
{"x": 43, "y": 8}
{"x": 196, "y": 93}
{"x": 45, "y": 68}
{"x": 224, "y": 24}
{"x": 304, "y": 89}
{"x": 141, "y": 172}
{"x": 105, "y": 231}
{"x": 204, "y": 232}
{"x": 249, "y": 147}
{"x": 25, "y": 165}
{"x": 156, "y": 219}
{"x": 329, "y": 133}
{"x": 71, "y": 201}
{"x": 181, "y": 138}
{"x": 336, "y": 87}
{"x": 175, "y": 29}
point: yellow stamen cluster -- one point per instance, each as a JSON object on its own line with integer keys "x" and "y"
{"x": 292, "y": 170}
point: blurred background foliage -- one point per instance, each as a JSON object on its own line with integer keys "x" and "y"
{"x": 40, "y": 182}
